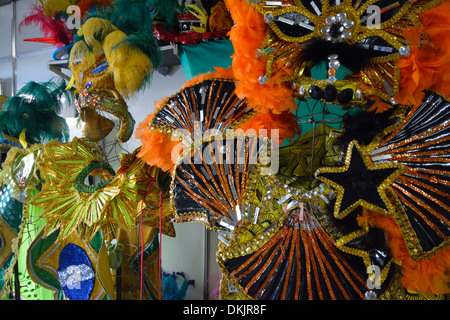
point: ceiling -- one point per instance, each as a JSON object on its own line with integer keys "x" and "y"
{"x": 2, "y": 2}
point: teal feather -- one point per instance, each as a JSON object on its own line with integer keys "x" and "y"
{"x": 165, "y": 10}
{"x": 134, "y": 19}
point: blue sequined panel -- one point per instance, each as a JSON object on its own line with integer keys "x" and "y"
{"x": 75, "y": 273}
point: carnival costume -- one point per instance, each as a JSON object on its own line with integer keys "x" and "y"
{"x": 22, "y": 140}
{"x": 366, "y": 215}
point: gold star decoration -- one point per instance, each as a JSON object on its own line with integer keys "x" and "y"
{"x": 360, "y": 182}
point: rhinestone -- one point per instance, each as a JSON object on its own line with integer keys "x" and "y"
{"x": 330, "y": 20}
{"x": 332, "y": 79}
{"x": 345, "y": 96}
{"x": 346, "y": 34}
{"x": 315, "y": 92}
{"x": 262, "y": 79}
{"x": 327, "y": 38}
{"x": 333, "y": 56}
{"x": 302, "y": 90}
{"x": 341, "y": 16}
{"x": 268, "y": 17}
{"x": 329, "y": 95}
{"x": 348, "y": 24}
{"x": 358, "y": 94}
{"x": 334, "y": 64}
{"x": 404, "y": 51}
{"x": 370, "y": 295}
{"x": 326, "y": 30}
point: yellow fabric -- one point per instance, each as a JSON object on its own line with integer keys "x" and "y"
{"x": 104, "y": 273}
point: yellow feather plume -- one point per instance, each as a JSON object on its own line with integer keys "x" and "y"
{"x": 52, "y": 6}
{"x": 130, "y": 66}
{"x": 95, "y": 31}
{"x": 80, "y": 59}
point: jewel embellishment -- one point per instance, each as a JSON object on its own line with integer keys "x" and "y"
{"x": 337, "y": 28}
{"x": 333, "y": 65}
{"x": 74, "y": 274}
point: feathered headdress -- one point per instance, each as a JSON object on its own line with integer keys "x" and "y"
{"x": 33, "y": 112}
{"x": 392, "y": 61}
{"x": 114, "y": 56}
{"x": 124, "y": 35}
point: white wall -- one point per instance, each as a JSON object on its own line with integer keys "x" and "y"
{"x": 185, "y": 251}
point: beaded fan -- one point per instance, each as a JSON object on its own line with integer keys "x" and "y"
{"x": 207, "y": 108}
{"x": 420, "y": 144}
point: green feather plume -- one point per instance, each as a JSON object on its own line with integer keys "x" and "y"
{"x": 134, "y": 19}
{"x": 35, "y": 108}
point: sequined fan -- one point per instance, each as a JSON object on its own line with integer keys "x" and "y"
{"x": 209, "y": 105}
{"x": 422, "y": 145}
{"x": 300, "y": 261}
{"x": 289, "y": 252}
{"x": 212, "y": 182}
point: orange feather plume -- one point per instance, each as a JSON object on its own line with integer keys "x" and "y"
{"x": 437, "y": 24}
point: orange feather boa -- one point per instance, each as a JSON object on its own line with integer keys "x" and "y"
{"x": 247, "y": 36}
{"x": 427, "y": 67}
{"x": 158, "y": 149}
{"x": 263, "y": 123}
